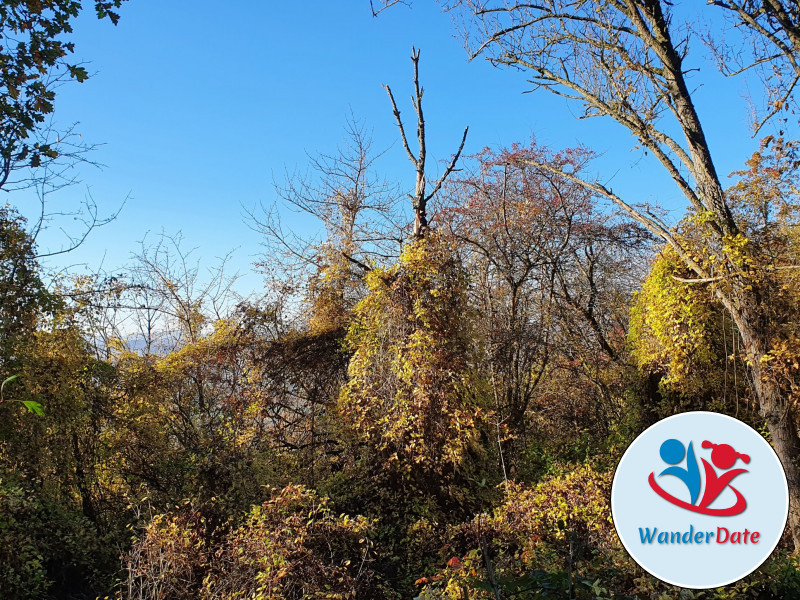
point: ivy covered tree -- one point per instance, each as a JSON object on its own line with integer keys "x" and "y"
{"x": 412, "y": 392}
{"x": 681, "y": 330}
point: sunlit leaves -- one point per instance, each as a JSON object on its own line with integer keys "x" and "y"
{"x": 410, "y": 393}
{"x": 292, "y": 547}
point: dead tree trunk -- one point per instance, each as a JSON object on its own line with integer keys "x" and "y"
{"x": 420, "y": 198}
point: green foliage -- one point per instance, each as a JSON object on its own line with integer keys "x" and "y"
{"x": 22, "y": 572}
{"x": 34, "y": 55}
{"x": 49, "y": 531}
{"x": 23, "y": 297}
{"x": 46, "y": 548}
{"x": 778, "y": 577}
{"x": 31, "y": 405}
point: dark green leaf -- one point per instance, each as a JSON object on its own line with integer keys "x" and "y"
{"x": 79, "y": 73}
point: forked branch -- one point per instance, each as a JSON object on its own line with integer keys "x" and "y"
{"x": 420, "y": 197}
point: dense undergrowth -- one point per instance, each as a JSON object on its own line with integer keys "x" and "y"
{"x": 444, "y": 424}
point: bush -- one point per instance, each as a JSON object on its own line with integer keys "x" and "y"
{"x": 45, "y": 547}
{"x": 292, "y": 547}
{"x": 555, "y": 538}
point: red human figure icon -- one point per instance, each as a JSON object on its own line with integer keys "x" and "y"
{"x": 724, "y": 457}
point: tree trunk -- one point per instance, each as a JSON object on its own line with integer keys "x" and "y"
{"x": 775, "y": 408}
{"x": 781, "y": 426}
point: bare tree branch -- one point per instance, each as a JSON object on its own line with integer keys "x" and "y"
{"x": 386, "y": 5}
{"x": 420, "y": 199}
{"x": 772, "y": 32}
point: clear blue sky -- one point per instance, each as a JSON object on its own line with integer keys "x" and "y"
{"x": 201, "y": 105}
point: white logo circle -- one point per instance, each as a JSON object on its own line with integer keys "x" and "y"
{"x": 699, "y": 500}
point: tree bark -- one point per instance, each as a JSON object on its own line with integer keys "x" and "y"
{"x": 419, "y": 200}
{"x": 774, "y": 408}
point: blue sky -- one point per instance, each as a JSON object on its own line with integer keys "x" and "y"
{"x": 201, "y": 106}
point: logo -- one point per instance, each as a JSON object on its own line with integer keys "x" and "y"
{"x": 699, "y": 500}
{"x": 723, "y": 457}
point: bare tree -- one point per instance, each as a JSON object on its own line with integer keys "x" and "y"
{"x": 357, "y": 209}
{"x": 421, "y": 197}
{"x": 626, "y": 59}
{"x": 771, "y": 47}
{"x": 167, "y": 282}
{"x": 343, "y": 191}
{"x": 161, "y": 303}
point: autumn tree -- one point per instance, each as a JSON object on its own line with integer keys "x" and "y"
{"x": 315, "y": 284}
{"x": 686, "y": 346}
{"x": 683, "y": 333}
{"x": 357, "y": 209}
{"x": 414, "y": 405}
{"x": 218, "y": 395}
{"x": 549, "y": 283}
{"x": 508, "y": 227}
{"x": 408, "y": 393}
{"x": 629, "y": 60}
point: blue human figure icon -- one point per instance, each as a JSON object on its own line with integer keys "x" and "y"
{"x": 672, "y": 452}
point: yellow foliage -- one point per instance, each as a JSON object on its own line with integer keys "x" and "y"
{"x": 410, "y": 392}
{"x": 676, "y": 329}
{"x": 534, "y": 537}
